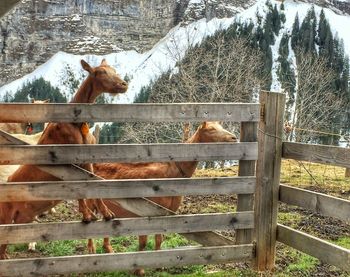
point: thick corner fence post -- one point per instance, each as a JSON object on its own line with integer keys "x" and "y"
{"x": 270, "y": 133}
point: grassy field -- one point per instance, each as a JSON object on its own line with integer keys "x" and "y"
{"x": 321, "y": 178}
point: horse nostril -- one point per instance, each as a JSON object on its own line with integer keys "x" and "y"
{"x": 124, "y": 83}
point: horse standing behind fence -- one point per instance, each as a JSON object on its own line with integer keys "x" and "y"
{"x": 207, "y": 132}
{"x": 101, "y": 79}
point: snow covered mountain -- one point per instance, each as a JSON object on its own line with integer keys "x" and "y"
{"x": 142, "y": 68}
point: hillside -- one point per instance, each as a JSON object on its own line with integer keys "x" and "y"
{"x": 37, "y": 29}
{"x": 142, "y": 67}
{"x": 275, "y": 30}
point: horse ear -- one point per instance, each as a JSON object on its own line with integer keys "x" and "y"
{"x": 204, "y": 124}
{"x": 86, "y": 66}
{"x": 104, "y": 62}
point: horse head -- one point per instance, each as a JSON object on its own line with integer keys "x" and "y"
{"x": 214, "y": 132}
{"x": 105, "y": 78}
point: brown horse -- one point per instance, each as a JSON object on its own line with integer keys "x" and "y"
{"x": 101, "y": 79}
{"x": 207, "y": 132}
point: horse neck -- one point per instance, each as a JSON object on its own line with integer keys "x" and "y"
{"x": 190, "y": 167}
{"x": 86, "y": 93}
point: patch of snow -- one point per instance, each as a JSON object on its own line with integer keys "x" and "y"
{"x": 143, "y": 68}
{"x": 140, "y": 68}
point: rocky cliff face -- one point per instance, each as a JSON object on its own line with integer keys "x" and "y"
{"x": 36, "y": 29}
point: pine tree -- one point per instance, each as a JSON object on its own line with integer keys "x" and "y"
{"x": 276, "y": 22}
{"x": 295, "y": 32}
{"x": 39, "y": 89}
{"x": 143, "y": 95}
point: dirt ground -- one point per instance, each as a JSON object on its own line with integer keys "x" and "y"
{"x": 323, "y": 227}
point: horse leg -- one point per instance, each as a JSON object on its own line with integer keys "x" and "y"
{"x": 91, "y": 247}
{"x": 6, "y": 218}
{"x": 100, "y": 206}
{"x": 142, "y": 246}
{"x": 3, "y": 254}
{"x": 88, "y": 214}
{"x": 103, "y": 209}
{"x": 107, "y": 246}
{"x": 158, "y": 241}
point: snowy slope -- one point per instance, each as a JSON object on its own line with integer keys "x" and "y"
{"x": 145, "y": 67}
{"x": 140, "y": 68}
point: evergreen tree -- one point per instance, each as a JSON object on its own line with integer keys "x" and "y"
{"x": 143, "y": 96}
{"x": 295, "y": 32}
{"x": 7, "y": 97}
{"x": 285, "y": 72}
{"x": 39, "y": 89}
{"x": 276, "y": 21}
{"x": 111, "y": 133}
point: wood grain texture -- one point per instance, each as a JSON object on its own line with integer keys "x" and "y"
{"x": 326, "y": 252}
{"x": 316, "y": 202}
{"x": 323, "y": 154}
{"x": 20, "y": 233}
{"x": 69, "y": 190}
{"x": 268, "y": 178}
{"x": 245, "y": 202}
{"x": 174, "y": 112}
{"x": 80, "y": 154}
{"x": 125, "y": 261}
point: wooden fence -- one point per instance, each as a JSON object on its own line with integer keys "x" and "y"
{"x": 316, "y": 202}
{"x": 77, "y": 183}
{"x": 255, "y": 221}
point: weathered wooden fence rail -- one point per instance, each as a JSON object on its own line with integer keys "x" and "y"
{"x": 20, "y": 233}
{"x": 59, "y": 154}
{"x": 235, "y": 112}
{"x": 127, "y": 261}
{"x": 316, "y": 202}
{"x": 323, "y": 250}
{"x": 323, "y": 154}
{"x": 35, "y": 191}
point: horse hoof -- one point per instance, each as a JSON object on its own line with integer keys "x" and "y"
{"x": 87, "y": 220}
{"x": 92, "y": 250}
{"x": 139, "y": 272}
{"x": 109, "y": 216}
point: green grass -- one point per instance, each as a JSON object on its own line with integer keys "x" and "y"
{"x": 343, "y": 242}
{"x": 62, "y": 248}
{"x": 302, "y": 263}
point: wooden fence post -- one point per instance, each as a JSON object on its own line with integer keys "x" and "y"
{"x": 246, "y": 168}
{"x": 268, "y": 177}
